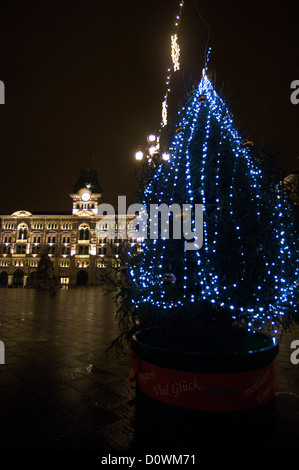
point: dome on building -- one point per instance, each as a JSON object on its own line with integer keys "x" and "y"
{"x": 88, "y": 179}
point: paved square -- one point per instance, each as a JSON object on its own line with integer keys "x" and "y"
{"x": 60, "y": 390}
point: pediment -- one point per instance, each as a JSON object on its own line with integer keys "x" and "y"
{"x": 84, "y": 213}
{"x": 21, "y": 214}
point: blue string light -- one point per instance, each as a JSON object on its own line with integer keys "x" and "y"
{"x": 210, "y": 165}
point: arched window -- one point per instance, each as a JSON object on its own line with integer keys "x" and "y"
{"x": 22, "y": 232}
{"x": 66, "y": 226}
{"x": 66, "y": 239}
{"x": 37, "y": 226}
{"x": 8, "y": 226}
{"x": 51, "y": 238}
{"x": 52, "y": 226}
{"x": 84, "y": 232}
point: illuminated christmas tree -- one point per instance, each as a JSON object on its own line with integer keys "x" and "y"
{"x": 245, "y": 273}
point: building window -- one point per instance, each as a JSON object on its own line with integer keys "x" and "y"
{"x": 7, "y": 239}
{"x": 66, "y": 250}
{"x": 6, "y": 250}
{"x": 36, "y": 239}
{"x": 84, "y": 232}
{"x": 52, "y": 226}
{"x": 83, "y": 250}
{"x": 22, "y": 232}
{"x": 103, "y": 227}
{"x": 82, "y": 264}
{"x": 8, "y": 226}
{"x": 36, "y": 250}
{"x": 4, "y": 263}
{"x": 66, "y": 239}
{"x": 66, "y": 226}
{"x": 21, "y": 248}
{"x": 51, "y": 239}
{"x": 37, "y": 226}
{"x": 102, "y": 250}
{"x": 19, "y": 263}
{"x": 64, "y": 264}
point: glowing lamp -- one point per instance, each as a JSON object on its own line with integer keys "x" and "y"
{"x": 165, "y": 156}
{"x": 139, "y": 155}
{"x": 151, "y": 138}
{"x": 152, "y": 150}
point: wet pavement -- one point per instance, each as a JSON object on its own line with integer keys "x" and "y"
{"x": 60, "y": 390}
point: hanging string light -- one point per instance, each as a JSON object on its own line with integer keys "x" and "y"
{"x": 175, "y": 52}
{"x": 175, "y": 56}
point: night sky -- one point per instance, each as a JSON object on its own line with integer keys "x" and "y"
{"x": 84, "y": 83}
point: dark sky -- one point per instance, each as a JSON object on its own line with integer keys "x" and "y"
{"x": 85, "y": 81}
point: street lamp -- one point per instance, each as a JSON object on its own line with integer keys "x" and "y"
{"x": 139, "y": 155}
{"x": 152, "y": 151}
{"x": 151, "y": 138}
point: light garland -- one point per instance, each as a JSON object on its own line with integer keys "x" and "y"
{"x": 275, "y": 287}
{"x": 164, "y": 113}
{"x": 175, "y": 52}
{"x": 175, "y": 56}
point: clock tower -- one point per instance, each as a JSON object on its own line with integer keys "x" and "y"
{"x": 87, "y": 193}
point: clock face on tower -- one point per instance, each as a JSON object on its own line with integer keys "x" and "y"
{"x": 85, "y": 197}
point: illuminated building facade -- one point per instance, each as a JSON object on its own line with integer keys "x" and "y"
{"x": 69, "y": 238}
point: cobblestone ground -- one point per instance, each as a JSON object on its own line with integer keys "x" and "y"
{"x": 59, "y": 389}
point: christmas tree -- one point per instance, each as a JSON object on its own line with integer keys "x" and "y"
{"x": 245, "y": 273}
{"x": 242, "y": 270}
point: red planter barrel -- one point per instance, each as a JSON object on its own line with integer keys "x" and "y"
{"x": 227, "y": 380}
{"x": 224, "y": 389}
